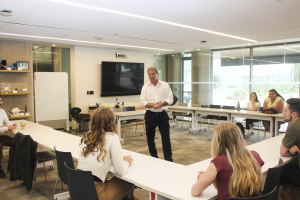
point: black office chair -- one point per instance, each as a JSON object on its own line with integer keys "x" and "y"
{"x": 272, "y": 180}
{"x": 79, "y": 118}
{"x": 130, "y": 121}
{"x": 213, "y": 117}
{"x": 81, "y": 184}
{"x": 62, "y": 158}
{"x": 268, "y": 196}
{"x": 42, "y": 157}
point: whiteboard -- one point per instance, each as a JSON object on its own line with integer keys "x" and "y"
{"x": 51, "y": 96}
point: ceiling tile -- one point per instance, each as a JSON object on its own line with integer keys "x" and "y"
{"x": 37, "y": 31}
{"x": 278, "y": 35}
{"x": 219, "y": 16}
{"x": 29, "y": 4}
{"x": 281, "y": 6}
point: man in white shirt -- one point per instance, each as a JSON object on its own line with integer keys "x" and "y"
{"x": 5, "y": 140}
{"x": 156, "y": 95}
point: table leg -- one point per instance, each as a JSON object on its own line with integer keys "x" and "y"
{"x": 119, "y": 130}
{"x": 276, "y": 127}
{"x": 229, "y": 118}
{"x": 193, "y": 120}
{"x": 271, "y": 127}
{"x": 154, "y": 196}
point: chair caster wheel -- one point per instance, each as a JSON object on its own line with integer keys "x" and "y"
{"x": 51, "y": 168}
{"x": 123, "y": 143}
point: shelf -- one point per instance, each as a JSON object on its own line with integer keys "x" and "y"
{"x": 15, "y": 94}
{"x": 14, "y": 71}
{"x": 19, "y": 117}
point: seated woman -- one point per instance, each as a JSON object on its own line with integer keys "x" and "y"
{"x": 275, "y": 101}
{"x": 234, "y": 171}
{"x": 252, "y": 105}
{"x": 100, "y": 149}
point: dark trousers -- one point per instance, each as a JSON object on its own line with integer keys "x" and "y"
{"x": 290, "y": 174}
{"x": 5, "y": 140}
{"x": 250, "y": 121}
{"x": 152, "y": 120}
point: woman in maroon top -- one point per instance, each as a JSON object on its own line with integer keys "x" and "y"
{"x": 234, "y": 171}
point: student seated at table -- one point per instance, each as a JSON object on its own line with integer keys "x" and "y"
{"x": 275, "y": 101}
{"x": 290, "y": 175}
{"x": 100, "y": 149}
{"x": 234, "y": 171}
{"x": 252, "y": 105}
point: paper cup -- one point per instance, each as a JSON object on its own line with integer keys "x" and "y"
{"x": 23, "y": 125}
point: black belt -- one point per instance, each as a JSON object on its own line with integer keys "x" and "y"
{"x": 156, "y": 113}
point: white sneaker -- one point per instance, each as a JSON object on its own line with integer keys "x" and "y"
{"x": 249, "y": 134}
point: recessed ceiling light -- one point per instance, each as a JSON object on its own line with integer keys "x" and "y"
{"x": 82, "y": 41}
{"x": 6, "y": 12}
{"x": 249, "y": 44}
{"x": 158, "y": 54}
{"x": 172, "y": 55}
{"x": 53, "y": 45}
{"x": 98, "y": 38}
{"x": 146, "y": 18}
{"x": 198, "y": 49}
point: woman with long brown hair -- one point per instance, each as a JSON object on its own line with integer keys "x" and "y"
{"x": 100, "y": 149}
{"x": 234, "y": 171}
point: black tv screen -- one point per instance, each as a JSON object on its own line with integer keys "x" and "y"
{"x": 121, "y": 78}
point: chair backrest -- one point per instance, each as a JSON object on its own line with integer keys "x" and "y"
{"x": 116, "y": 110}
{"x": 205, "y": 106}
{"x": 272, "y": 181}
{"x": 81, "y": 184}
{"x": 229, "y": 107}
{"x": 75, "y": 110}
{"x": 196, "y": 105}
{"x": 214, "y": 106}
{"x": 183, "y": 104}
{"x": 62, "y": 158}
{"x": 128, "y": 108}
{"x": 268, "y": 196}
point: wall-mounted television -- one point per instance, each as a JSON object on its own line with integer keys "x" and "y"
{"x": 121, "y": 78}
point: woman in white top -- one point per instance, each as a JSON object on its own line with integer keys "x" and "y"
{"x": 252, "y": 105}
{"x": 100, "y": 149}
{"x": 275, "y": 101}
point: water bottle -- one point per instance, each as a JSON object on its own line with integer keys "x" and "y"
{"x": 238, "y": 106}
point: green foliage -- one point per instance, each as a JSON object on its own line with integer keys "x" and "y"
{"x": 240, "y": 93}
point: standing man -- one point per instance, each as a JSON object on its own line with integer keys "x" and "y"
{"x": 290, "y": 146}
{"x": 5, "y": 140}
{"x": 156, "y": 95}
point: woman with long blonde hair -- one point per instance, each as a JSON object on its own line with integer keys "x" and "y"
{"x": 234, "y": 171}
{"x": 100, "y": 149}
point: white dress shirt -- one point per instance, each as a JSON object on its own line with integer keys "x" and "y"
{"x": 4, "y": 120}
{"x": 153, "y": 94}
{"x": 113, "y": 158}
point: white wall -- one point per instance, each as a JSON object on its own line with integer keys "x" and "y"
{"x": 86, "y": 75}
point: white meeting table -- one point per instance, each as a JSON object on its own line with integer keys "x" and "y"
{"x": 269, "y": 151}
{"x": 253, "y": 115}
{"x": 143, "y": 166}
{"x": 166, "y": 179}
{"x": 121, "y": 116}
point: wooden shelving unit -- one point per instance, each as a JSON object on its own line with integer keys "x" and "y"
{"x": 19, "y": 117}
{"x": 14, "y": 71}
{"x": 16, "y": 94}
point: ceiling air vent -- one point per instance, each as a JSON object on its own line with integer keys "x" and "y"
{"x": 6, "y": 12}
